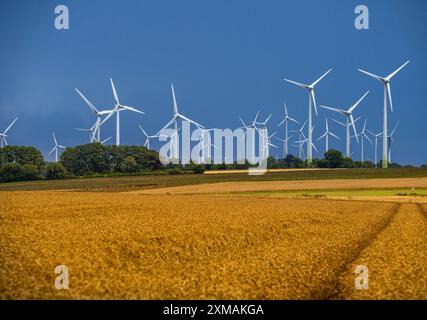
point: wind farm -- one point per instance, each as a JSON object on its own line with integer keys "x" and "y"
{"x": 229, "y": 159}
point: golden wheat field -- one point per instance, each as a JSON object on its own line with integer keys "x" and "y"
{"x": 200, "y": 246}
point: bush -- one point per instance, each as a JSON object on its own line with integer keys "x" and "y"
{"x": 21, "y": 155}
{"x": 54, "y": 171}
{"x": 198, "y": 169}
{"x": 334, "y": 158}
{"x": 174, "y": 171}
{"x": 16, "y": 172}
{"x": 128, "y": 165}
{"x": 348, "y": 163}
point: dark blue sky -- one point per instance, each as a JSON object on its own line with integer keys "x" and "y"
{"x": 225, "y": 58}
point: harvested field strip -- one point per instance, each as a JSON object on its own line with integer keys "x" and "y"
{"x": 161, "y": 247}
{"x": 396, "y": 260}
{"x": 252, "y": 186}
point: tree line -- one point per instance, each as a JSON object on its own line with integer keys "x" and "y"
{"x": 20, "y": 163}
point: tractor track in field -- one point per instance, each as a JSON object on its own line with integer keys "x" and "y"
{"x": 334, "y": 289}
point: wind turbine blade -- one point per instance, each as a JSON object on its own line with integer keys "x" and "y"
{"x": 395, "y": 127}
{"x": 314, "y": 147}
{"x": 241, "y": 120}
{"x": 54, "y": 138}
{"x": 303, "y": 126}
{"x": 10, "y": 126}
{"x": 318, "y": 80}
{"x": 397, "y": 70}
{"x": 327, "y": 126}
{"x": 104, "y": 141}
{"x": 350, "y": 110}
{"x": 364, "y": 126}
{"x": 61, "y": 146}
{"x": 354, "y": 127}
{"x": 367, "y": 138}
{"x": 313, "y": 98}
{"x": 281, "y": 122}
{"x": 143, "y": 131}
{"x": 266, "y": 120}
{"x": 191, "y": 121}
{"x": 371, "y": 75}
{"x": 50, "y": 152}
{"x": 322, "y": 136}
{"x": 297, "y": 83}
{"x": 333, "y": 109}
{"x": 293, "y": 120}
{"x": 175, "y": 105}
{"x": 91, "y": 106}
{"x": 132, "y": 109}
{"x": 335, "y": 136}
{"x": 116, "y": 97}
{"x": 4, "y": 140}
{"x": 339, "y": 122}
{"x": 108, "y": 117}
{"x": 388, "y": 88}
{"x": 256, "y": 117}
{"x": 286, "y": 111}
{"x": 79, "y": 129}
{"x": 167, "y": 125}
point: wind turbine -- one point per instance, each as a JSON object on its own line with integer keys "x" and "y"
{"x": 301, "y": 134}
{"x": 265, "y": 137}
{"x": 285, "y": 121}
{"x": 326, "y": 136}
{"x": 118, "y": 107}
{"x": 285, "y": 143}
{"x": 147, "y": 137}
{"x": 390, "y": 140}
{"x": 3, "y": 141}
{"x": 350, "y": 121}
{"x": 55, "y": 148}
{"x": 311, "y": 98}
{"x": 307, "y": 141}
{"x": 91, "y": 131}
{"x": 205, "y": 146}
{"x": 96, "y": 132}
{"x": 376, "y": 136}
{"x": 362, "y": 136}
{"x": 387, "y": 92}
{"x": 176, "y": 116}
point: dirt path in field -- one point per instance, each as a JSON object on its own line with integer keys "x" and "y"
{"x": 396, "y": 260}
{"x": 248, "y": 186}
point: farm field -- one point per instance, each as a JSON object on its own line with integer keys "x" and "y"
{"x": 151, "y": 181}
{"x": 213, "y": 245}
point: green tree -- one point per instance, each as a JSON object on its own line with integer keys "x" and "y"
{"x": 198, "y": 169}
{"x": 334, "y": 158}
{"x": 55, "y": 170}
{"x": 21, "y": 155}
{"x": 348, "y": 163}
{"x": 129, "y": 165}
{"x": 16, "y": 172}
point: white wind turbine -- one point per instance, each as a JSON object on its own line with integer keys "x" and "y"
{"x": 205, "y": 146}
{"x": 387, "y": 92}
{"x": 91, "y": 131}
{"x": 311, "y": 98}
{"x": 285, "y": 121}
{"x": 301, "y": 137}
{"x": 177, "y": 116}
{"x": 350, "y": 121}
{"x": 285, "y": 143}
{"x": 390, "y": 140}
{"x": 363, "y": 136}
{"x": 326, "y": 136}
{"x": 376, "y": 136}
{"x": 265, "y": 137}
{"x": 96, "y": 129}
{"x": 55, "y": 148}
{"x": 147, "y": 137}
{"x": 3, "y": 141}
{"x": 305, "y": 141}
{"x": 251, "y": 142}
{"x": 118, "y": 107}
